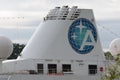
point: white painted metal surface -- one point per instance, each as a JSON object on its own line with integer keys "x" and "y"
{"x": 51, "y": 48}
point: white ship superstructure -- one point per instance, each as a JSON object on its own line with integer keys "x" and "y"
{"x": 66, "y": 46}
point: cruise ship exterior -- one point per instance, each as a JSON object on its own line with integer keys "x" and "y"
{"x": 66, "y": 46}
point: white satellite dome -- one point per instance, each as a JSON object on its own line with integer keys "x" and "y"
{"x": 6, "y": 47}
{"x": 115, "y": 47}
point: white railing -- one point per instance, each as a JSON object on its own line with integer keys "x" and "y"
{"x": 64, "y": 13}
{"x": 52, "y": 72}
{"x": 46, "y": 77}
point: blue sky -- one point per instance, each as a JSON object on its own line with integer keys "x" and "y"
{"x": 25, "y": 15}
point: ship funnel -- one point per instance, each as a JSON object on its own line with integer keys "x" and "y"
{"x": 67, "y": 34}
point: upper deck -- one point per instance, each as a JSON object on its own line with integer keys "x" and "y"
{"x": 64, "y": 13}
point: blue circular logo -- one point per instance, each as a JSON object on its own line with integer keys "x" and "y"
{"x": 82, "y": 36}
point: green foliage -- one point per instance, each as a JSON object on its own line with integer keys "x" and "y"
{"x": 117, "y": 59}
{"x": 17, "y": 48}
{"x": 108, "y": 56}
{"x": 113, "y": 71}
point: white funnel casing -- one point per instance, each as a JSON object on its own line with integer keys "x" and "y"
{"x": 65, "y": 38}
